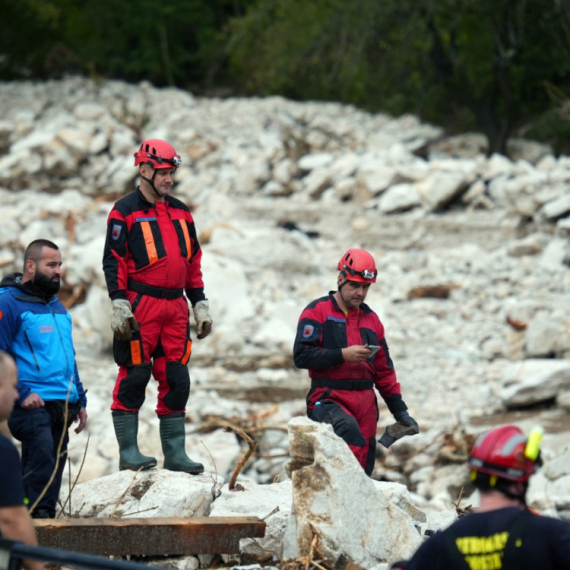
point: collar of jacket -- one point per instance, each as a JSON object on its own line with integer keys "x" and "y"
{"x": 30, "y": 292}
{"x": 148, "y": 203}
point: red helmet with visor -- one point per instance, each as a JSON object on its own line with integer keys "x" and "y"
{"x": 358, "y": 265}
{"x": 158, "y": 154}
{"x": 506, "y": 453}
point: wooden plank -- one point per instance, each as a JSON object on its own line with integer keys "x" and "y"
{"x": 175, "y": 536}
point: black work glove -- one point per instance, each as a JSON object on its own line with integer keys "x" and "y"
{"x": 405, "y": 419}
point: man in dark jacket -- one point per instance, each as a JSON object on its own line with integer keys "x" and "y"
{"x": 334, "y": 341}
{"x": 152, "y": 258}
{"x": 15, "y": 520}
{"x": 35, "y": 329}
{"x": 502, "y": 533}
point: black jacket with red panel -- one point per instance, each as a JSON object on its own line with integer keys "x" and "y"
{"x": 324, "y": 330}
{"x": 152, "y": 243}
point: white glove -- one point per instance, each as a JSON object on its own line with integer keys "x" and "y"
{"x": 123, "y": 321}
{"x": 203, "y": 319}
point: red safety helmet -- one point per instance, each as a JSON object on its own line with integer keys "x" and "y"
{"x": 158, "y": 154}
{"x": 504, "y": 452}
{"x": 358, "y": 265}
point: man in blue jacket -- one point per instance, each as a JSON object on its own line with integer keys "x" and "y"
{"x": 35, "y": 328}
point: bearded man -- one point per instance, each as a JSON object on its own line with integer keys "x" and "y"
{"x": 35, "y": 329}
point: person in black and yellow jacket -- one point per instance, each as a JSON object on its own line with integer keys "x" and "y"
{"x": 502, "y": 533}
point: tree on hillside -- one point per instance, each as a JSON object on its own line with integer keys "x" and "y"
{"x": 167, "y": 43}
{"x": 467, "y": 64}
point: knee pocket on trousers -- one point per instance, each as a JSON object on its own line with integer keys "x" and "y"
{"x": 344, "y": 425}
{"x": 132, "y": 388}
{"x": 178, "y": 379}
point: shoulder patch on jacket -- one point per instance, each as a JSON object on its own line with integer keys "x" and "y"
{"x": 308, "y": 331}
{"x": 116, "y": 231}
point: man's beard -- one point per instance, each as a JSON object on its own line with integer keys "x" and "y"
{"x": 48, "y": 286}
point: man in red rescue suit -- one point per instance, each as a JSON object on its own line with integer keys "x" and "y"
{"x": 151, "y": 258}
{"x": 332, "y": 341}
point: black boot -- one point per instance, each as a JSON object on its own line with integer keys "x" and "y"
{"x": 126, "y": 429}
{"x": 172, "y": 436}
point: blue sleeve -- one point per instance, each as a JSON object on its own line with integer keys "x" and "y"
{"x": 9, "y": 323}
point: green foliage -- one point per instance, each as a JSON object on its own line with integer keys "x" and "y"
{"x": 172, "y": 42}
{"x": 29, "y": 37}
{"x": 464, "y": 64}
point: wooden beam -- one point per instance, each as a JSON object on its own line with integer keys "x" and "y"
{"x": 175, "y": 536}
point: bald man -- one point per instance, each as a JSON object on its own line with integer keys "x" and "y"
{"x": 15, "y": 520}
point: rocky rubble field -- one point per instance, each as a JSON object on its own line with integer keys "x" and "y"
{"x": 472, "y": 251}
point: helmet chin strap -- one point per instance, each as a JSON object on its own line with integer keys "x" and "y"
{"x": 344, "y": 282}
{"x": 151, "y": 182}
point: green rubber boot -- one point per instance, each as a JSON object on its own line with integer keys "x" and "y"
{"x": 126, "y": 429}
{"x": 172, "y": 436}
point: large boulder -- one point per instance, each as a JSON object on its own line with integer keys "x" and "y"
{"x": 156, "y": 493}
{"x": 532, "y": 381}
{"x": 333, "y": 497}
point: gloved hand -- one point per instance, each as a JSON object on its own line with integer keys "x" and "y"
{"x": 405, "y": 419}
{"x": 123, "y": 321}
{"x": 203, "y": 319}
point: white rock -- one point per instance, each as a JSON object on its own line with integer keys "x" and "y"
{"x": 271, "y": 503}
{"x": 333, "y": 494}
{"x": 563, "y": 400}
{"x": 156, "y": 492}
{"x": 541, "y": 336}
{"x": 559, "y": 466}
{"x": 533, "y": 381}
{"x": 556, "y": 208}
{"x": 547, "y": 163}
{"x": 314, "y": 161}
{"x": 529, "y": 245}
{"x": 399, "y": 198}
{"x": 376, "y": 177}
{"x": 89, "y": 111}
{"x": 532, "y": 151}
{"x": 315, "y": 183}
{"x": 497, "y": 165}
{"x": 232, "y": 304}
{"x": 554, "y": 255}
{"x": 441, "y": 188}
{"x": 346, "y": 188}
{"x": 78, "y": 139}
{"x": 284, "y": 171}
